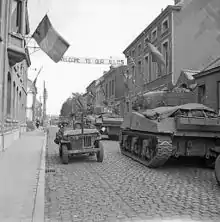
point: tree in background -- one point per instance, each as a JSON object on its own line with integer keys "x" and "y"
{"x": 66, "y": 108}
{"x": 73, "y": 105}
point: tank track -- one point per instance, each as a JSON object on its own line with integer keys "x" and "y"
{"x": 163, "y": 148}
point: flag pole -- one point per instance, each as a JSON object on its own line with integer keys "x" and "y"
{"x": 35, "y": 80}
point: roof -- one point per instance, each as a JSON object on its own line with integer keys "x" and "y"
{"x": 113, "y": 69}
{"x": 207, "y": 72}
{"x": 167, "y": 9}
{"x": 99, "y": 81}
{"x": 92, "y": 83}
{"x": 187, "y": 77}
{"x": 190, "y": 73}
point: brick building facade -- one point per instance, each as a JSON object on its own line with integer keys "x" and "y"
{"x": 187, "y": 34}
{"x": 114, "y": 86}
{"x": 14, "y": 63}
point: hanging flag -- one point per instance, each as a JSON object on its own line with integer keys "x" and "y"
{"x": 127, "y": 75}
{"x": 156, "y": 55}
{"x": 49, "y": 40}
{"x": 35, "y": 80}
{"x": 131, "y": 61}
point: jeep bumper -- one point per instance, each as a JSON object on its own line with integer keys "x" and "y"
{"x": 82, "y": 151}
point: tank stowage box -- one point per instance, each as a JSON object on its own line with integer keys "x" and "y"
{"x": 154, "y": 135}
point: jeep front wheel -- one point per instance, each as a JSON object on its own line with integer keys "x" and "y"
{"x": 65, "y": 156}
{"x": 217, "y": 169}
{"x": 100, "y": 153}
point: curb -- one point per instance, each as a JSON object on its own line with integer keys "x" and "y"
{"x": 38, "y": 214}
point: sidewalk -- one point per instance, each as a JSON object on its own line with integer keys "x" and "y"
{"x": 21, "y": 170}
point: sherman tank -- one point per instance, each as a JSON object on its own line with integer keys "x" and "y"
{"x": 152, "y": 136}
{"x": 111, "y": 123}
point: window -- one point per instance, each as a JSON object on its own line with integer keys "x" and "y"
{"x": 16, "y": 16}
{"x": 154, "y": 34}
{"x": 146, "y": 40}
{"x": 106, "y": 91}
{"x": 201, "y": 94}
{"x": 113, "y": 87}
{"x": 165, "y": 52}
{"x": 139, "y": 49}
{"x": 154, "y": 69}
{"x": 9, "y": 94}
{"x": 127, "y": 103}
{"x": 133, "y": 53}
{"x": 165, "y": 25}
{"x": 110, "y": 88}
{"x": 139, "y": 67}
{"x": 146, "y": 68}
{"x": 133, "y": 71}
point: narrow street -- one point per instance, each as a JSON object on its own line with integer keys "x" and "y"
{"x": 120, "y": 189}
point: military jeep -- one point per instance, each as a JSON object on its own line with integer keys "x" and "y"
{"x": 79, "y": 141}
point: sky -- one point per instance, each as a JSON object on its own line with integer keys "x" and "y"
{"x": 93, "y": 28}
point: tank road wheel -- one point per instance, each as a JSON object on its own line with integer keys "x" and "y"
{"x": 158, "y": 151}
{"x": 65, "y": 156}
{"x": 152, "y": 151}
{"x": 100, "y": 154}
{"x": 217, "y": 169}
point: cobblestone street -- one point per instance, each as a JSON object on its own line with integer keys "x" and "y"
{"x": 120, "y": 189}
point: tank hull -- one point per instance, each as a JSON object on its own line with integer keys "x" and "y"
{"x": 153, "y": 137}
